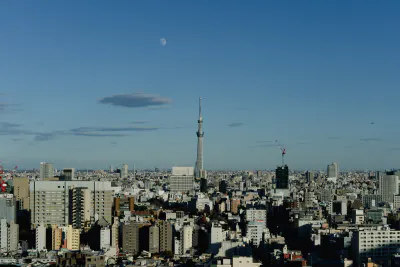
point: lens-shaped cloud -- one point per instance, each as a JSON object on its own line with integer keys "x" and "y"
{"x": 136, "y": 100}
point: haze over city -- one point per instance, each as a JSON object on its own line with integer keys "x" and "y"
{"x": 95, "y": 83}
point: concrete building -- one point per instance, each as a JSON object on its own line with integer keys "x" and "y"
{"x": 333, "y": 170}
{"x": 256, "y": 215}
{"x": 56, "y": 237}
{"x": 379, "y": 244}
{"x": 9, "y": 236}
{"x": 122, "y": 204}
{"x": 124, "y": 171}
{"x": 105, "y": 238}
{"x": 254, "y": 232}
{"x": 50, "y": 201}
{"x": 69, "y": 174}
{"x": 309, "y": 176}
{"x": 166, "y": 237}
{"x": 182, "y": 179}
{"x": 8, "y": 207}
{"x": 187, "y": 238}
{"x": 130, "y": 237}
{"x": 21, "y": 192}
{"x": 13, "y": 237}
{"x": 46, "y": 170}
{"x": 388, "y": 187}
{"x": 358, "y": 217}
{"x": 339, "y": 208}
{"x": 73, "y": 238}
{"x": 40, "y": 238}
{"x": 282, "y": 177}
{"x": 115, "y": 233}
{"x": 235, "y": 203}
{"x": 235, "y": 261}
{"x": 80, "y": 200}
{"x": 216, "y": 237}
{"x": 154, "y": 239}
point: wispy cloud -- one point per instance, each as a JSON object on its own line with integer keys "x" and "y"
{"x": 136, "y": 100}
{"x": 113, "y": 129}
{"x": 140, "y": 122}
{"x": 17, "y": 139}
{"x": 236, "y": 124}
{"x": 261, "y": 142}
{"x": 372, "y": 139}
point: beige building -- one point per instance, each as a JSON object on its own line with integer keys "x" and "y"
{"x": 56, "y": 238}
{"x": 21, "y": 192}
{"x": 130, "y": 237}
{"x": 73, "y": 238}
{"x": 166, "y": 237}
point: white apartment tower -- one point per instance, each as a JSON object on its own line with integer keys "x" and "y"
{"x": 388, "y": 187}
{"x": 182, "y": 179}
{"x": 40, "y": 238}
{"x": 333, "y": 170}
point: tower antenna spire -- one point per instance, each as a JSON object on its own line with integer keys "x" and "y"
{"x": 199, "y": 107}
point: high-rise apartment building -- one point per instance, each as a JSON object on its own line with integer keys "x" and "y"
{"x": 40, "y": 238}
{"x": 282, "y": 177}
{"x": 131, "y": 234}
{"x": 154, "y": 239}
{"x": 309, "y": 176}
{"x": 73, "y": 238}
{"x": 80, "y": 199}
{"x": 166, "y": 236}
{"x": 333, "y": 170}
{"x": 21, "y": 192}
{"x": 115, "y": 233}
{"x": 46, "y": 170}
{"x": 50, "y": 201}
{"x": 105, "y": 240}
{"x": 182, "y": 179}
{"x": 56, "y": 237}
{"x": 122, "y": 203}
{"x": 69, "y": 174}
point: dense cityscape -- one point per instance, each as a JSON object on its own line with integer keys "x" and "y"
{"x": 190, "y": 217}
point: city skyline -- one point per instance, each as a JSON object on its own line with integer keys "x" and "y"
{"x": 87, "y": 85}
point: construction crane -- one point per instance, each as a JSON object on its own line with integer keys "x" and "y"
{"x": 283, "y": 151}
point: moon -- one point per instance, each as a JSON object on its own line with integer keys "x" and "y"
{"x": 163, "y": 41}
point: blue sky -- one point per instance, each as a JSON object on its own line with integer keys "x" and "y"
{"x": 88, "y": 84}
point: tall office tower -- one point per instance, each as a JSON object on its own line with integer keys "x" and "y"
{"x": 282, "y": 177}
{"x": 40, "y": 238}
{"x": 200, "y": 134}
{"x": 46, "y": 170}
{"x": 57, "y": 193}
{"x": 105, "y": 240}
{"x": 309, "y": 176}
{"x": 73, "y": 238}
{"x": 56, "y": 237}
{"x": 69, "y": 174}
{"x": 182, "y": 179}
{"x": 388, "y": 187}
{"x": 333, "y": 170}
{"x": 166, "y": 236}
{"x": 154, "y": 239}
{"x": 21, "y": 192}
{"x": 124, "y": 171}
{"x": 8, "y": 207}
{"x": 130, "y": 236}
{"x": 80, "y": 198}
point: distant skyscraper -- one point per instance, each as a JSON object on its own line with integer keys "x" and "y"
{"x": 124, "y": 171}
{"x": 200, "y": 134}
{"x": 388, "y": 187}
{"x": 46, "y": 170}
{"x": 333, "y": 170}
{"x": 309, "y": 176}
{"x": 282, "y": 177}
